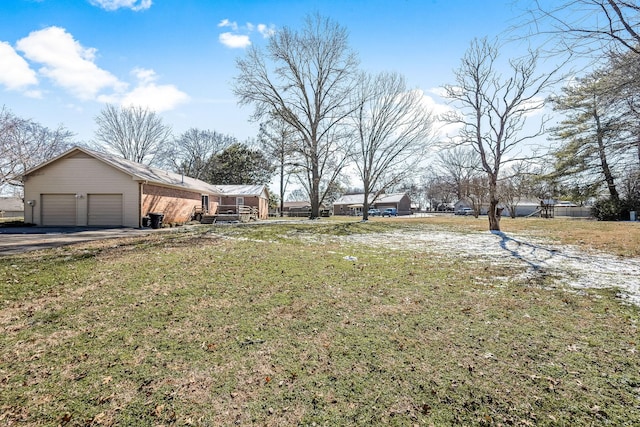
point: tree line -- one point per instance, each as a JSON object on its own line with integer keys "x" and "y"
{"x": 136, "y": 134}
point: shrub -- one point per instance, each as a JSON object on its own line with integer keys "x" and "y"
{"x": 615, "y": 210}
{"x": 606, "y": 210}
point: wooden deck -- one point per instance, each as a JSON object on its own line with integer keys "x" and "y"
{"x": 230, "y": 214}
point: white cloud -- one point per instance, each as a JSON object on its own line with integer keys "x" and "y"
{"x": 234, "y": 41}
{"x": 144, "y": 76}
{"x": 238, "y": 38}
{"x": 33, "y": 94}
{"x": 266, "y": 31}
{"x": 71, "y": 66}
{"x": 435, "y": 107}
{"x": 226, "y": 23}
{"x": 15, "y": 72}
{"x": 534, "y": 106}
{"x": 440, "y": 109}
{"x": 148, "y": 94}
{"x": 111, "y": 5}
{"x": 67, "y": 63}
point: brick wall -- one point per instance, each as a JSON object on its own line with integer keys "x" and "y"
{"x": 176, "y": 205}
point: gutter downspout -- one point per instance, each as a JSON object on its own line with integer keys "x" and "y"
{"x": 140, "y": 193}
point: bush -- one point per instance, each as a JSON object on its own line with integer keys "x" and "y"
{"x": 628, "y": 205}
{"x": 606, "y": 210}
{"x": 615, "y": 210}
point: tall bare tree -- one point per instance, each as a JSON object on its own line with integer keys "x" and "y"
{"x": 492, "y": 110}
{"x": 277, "y": 141}
{"x": 25, "y": 144}
{"x": 305, "y": 78}
{"x": 137, "y": 134}
{"x": 458, "y": 166}
{"x": 516, "y": 185}
{"x": 394, "y": 130}
{"x": 585, "y": 27}
{"x": 194, "y": 149}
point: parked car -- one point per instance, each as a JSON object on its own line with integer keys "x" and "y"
{"x": 390, "y": 212}
{"x": 464, "y": 211}
{"x": 374, "y": 212}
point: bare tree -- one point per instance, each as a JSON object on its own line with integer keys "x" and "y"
{"x": 194, "y": 149}
{"x": 438, "y": 191}
{"x": 394, "y": 129}
{"x": 304, "y": 78}
{"x": 277, "y": 140}
{"x": 514, "y": 186}
{"x": 584, "y": 27}
{"x": 458, "y": 166}
{"x": 137, "y": 134}
{"x": 478, "y": 194}
{"x": 25, "y": 144}
{"x": 492, "y": 110}
{"x": 298, "y": 195}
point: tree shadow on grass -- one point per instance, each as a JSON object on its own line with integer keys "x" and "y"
{"x": 535, "y": 256}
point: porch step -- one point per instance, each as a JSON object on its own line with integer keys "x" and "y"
{"x": 208, "y": 219}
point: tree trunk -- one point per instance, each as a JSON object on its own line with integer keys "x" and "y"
{"x": 494, "y": 219}
{"x": 365, "y": 203}
{"x": 608, "y": 176}
{"x": 281, "y": 188}
{"x": 492, "y": 213}
{"x": 315, "y": 194}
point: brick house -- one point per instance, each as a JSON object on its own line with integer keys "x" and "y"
{"x": 253, "y": 196}
{"x": 352, "y": 204}
{"x": 82, "y": 187}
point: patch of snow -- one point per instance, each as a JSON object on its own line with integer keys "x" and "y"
{"x": 568, "y": 264}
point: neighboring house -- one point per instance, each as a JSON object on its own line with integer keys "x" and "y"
{"x": 400, "y": 201}
{"x": 297, "y": 209}
{"x": 524, "y": 208}
{"x": 535, "y": 208}
{"x": 352, "y": 204}
{"x": 253, "y": 196}
{"x": 11, "y": 207}
{"x": 465, "y": 203}
{"x": 302, "y": 209}
{"x": 82, "y": 187}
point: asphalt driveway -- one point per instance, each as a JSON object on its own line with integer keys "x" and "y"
{"x": 15, "y": 240}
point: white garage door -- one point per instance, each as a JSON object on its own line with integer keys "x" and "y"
{"x": 59, "y": 209}
{"x": 105, "y": 210}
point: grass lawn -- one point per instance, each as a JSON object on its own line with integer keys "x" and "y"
{"x": 269, "y": 324}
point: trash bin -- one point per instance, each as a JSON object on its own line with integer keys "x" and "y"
{"x": 146, "y": 221}
{"x": 156, "y": 219}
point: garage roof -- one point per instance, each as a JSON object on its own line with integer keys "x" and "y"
{"x": 243, "y": 190}
{"x": 139, "y": 172}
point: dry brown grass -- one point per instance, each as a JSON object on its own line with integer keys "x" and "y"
{"x": 255, "y": 325}
{"x": 618, "y": 238}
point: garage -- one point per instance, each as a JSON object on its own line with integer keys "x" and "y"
{"x": 104, "y": 210}
{"x": 82, "y": 187}
{"x": 58, "y": 209}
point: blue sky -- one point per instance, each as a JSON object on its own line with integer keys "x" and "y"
{"x": 62, "y": 60}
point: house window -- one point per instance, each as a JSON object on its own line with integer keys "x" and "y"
{"x": 205, "y": 203}
{"x": 239, "y": 201}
